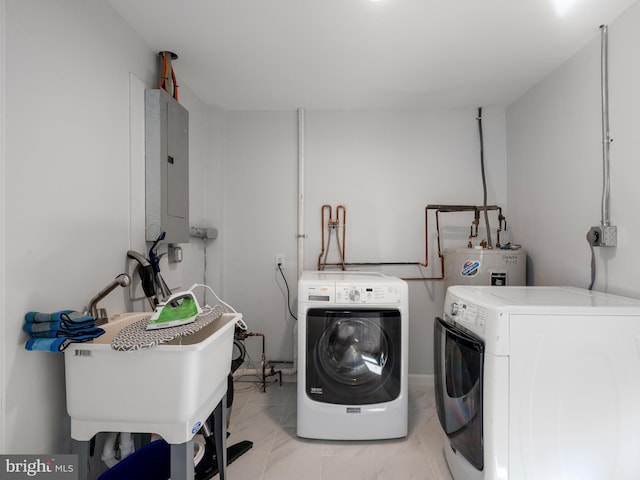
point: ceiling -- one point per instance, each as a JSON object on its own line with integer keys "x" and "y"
{"x": 360, "y": 54}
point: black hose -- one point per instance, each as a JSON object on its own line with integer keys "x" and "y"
{"x": 484, "y": 180}
{"x": 145, "y": 271}
{"x": 593, "y": 268}
{"x": 288, "y": 293}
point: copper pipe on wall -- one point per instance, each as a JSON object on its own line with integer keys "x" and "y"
{"x": 333, "y": 224}
{"x": 438, "y": 209}
{"x": 450, "y": 209}
{"x": 324, "y": 207}
{"x": 343, "y": 209}
{"x": 476, "y": 222}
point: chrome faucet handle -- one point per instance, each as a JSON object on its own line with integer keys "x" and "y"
{"x": 101, "y": 317}
{"x": 101, "y": 314}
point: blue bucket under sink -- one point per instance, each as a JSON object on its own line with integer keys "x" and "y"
{"x": 151, "y": 462}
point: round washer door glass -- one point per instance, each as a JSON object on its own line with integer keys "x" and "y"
{"x": 353, "y": 351}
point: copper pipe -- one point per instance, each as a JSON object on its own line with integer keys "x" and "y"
{"x": 438, "y": 209}
{"x": 343, "y": 209}
{"x": 440, "y": 256}
{"x": 443, "y": 209}
{"x": 500, "y": 220}
{"x": 333, "y": 223}
{"x": 451, "y": 209}
{"x": 476, "y": 222}
{"x": 322, "y": 247}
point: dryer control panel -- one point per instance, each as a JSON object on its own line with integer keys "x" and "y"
{"x": 465, "y": 314}
{"x": 363, "y": 294}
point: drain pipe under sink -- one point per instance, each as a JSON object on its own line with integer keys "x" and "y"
{"x": 109, "y": 449}
{"x": 241, "y": 372}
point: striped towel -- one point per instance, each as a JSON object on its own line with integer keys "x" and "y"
{"x": 70, "y": 318}
{"x": 53, "y": 332}
{"x": 61, "y": 332}
{"x": 57, "y": 344}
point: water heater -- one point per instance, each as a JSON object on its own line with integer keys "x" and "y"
{"x": 478, "y": 266}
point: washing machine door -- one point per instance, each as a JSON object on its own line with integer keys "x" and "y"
{"x": 353, "y": 356}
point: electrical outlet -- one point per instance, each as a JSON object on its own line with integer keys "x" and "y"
{"x": 594, "y": 236}
{"x": 603, "y": 236}
{"x": 280, "y": 260}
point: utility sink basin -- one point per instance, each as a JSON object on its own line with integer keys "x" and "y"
{"x": 169, "y": 389}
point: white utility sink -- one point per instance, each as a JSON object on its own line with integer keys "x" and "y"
{"x": 169, "y": 389}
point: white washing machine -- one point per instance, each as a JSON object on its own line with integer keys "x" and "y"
{"x": 352, "y": 356}
{"x": 538, "y": 383}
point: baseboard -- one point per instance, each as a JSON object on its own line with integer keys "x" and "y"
{"x": 419, "y": 379}
{"x": 414, "y": 379}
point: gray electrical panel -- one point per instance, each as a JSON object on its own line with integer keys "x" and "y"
{"x": 167, "y": 167}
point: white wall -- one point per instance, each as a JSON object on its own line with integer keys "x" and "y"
{"x": 3, "y": 189}
{"x": 74, "y": 71}
{"x": 384, "y": 166}
{"x": 555, "y": 165}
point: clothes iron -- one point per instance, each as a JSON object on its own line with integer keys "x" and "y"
{"x": 179, "y": 309}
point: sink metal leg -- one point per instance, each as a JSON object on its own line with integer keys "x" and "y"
{"x": 182, "y": 461}
{"x": 81, "y": 448}
{"x": 220, "y": 435}
{"x": 140, "y": 440}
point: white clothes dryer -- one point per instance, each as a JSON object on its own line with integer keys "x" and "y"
{"x": 537, "y": 383}
{"x": 352, "y": 356}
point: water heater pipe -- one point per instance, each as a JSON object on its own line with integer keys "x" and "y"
{"x": 606, "y": 139}
{"x": 449, "y": 209}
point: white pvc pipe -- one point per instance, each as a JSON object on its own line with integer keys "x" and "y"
{"x": 126, "y": 445}
{"x": 109, "y": 448}
{"x": 294, "y": 369}
{"x": 300, "y": 191}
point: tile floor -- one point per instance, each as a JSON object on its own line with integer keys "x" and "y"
{"x": 269, "y": 421}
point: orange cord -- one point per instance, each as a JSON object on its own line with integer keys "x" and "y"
{"x": 164, "y": 80}
{"x": 164, "y": 77}
{"x": 175, "y": 84}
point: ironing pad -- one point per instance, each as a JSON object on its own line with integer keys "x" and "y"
{"x": 137, "y": 337}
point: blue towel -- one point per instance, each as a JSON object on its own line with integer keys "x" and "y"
{"x": 34, "y": 328}
{"x": 58, "y": 344}
{"x": 70, "y": 317}
{"x": 57, "y": 333}
{"x": 53, "y": 332}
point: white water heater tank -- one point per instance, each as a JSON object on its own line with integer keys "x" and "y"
{"x": 477, "y": 266}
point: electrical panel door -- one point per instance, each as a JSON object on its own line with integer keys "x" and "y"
{"x": 167, "y": 167}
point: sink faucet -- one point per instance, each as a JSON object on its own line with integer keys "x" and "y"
{"x": 100, "y": 315}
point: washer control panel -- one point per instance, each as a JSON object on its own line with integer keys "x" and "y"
{"x": 465, "y": 314}
{"x": 325, "y": 293}
{"x": 367, "y": 294}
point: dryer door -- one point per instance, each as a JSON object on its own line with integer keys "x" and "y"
{"x": 459, "y": 364}
{"x": 353, "y": 356}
